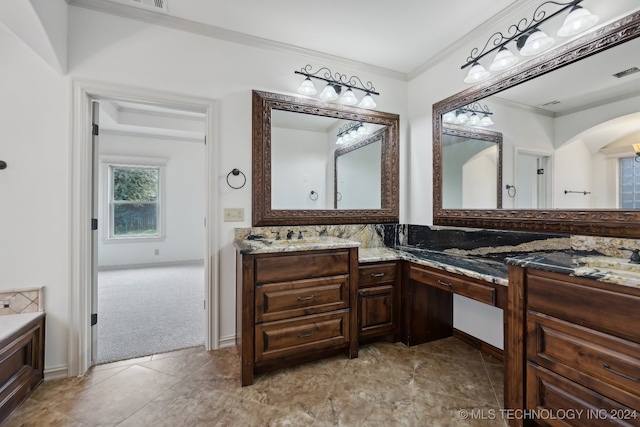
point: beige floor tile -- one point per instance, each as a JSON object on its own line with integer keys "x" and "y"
{"x": 117, "y": 397}
{"x": 387, "y": 385}
{"x": 33, "y": 413}
{"x": 453, "y": 377}
{"x": 356, "y": 400}
{"x": 385, "y": 362}
{"x": 182, "y": 352}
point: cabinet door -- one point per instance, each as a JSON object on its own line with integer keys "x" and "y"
{"x": 375, "y": 314}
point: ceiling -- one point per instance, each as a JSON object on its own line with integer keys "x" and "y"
{"x": 398, "y": 37}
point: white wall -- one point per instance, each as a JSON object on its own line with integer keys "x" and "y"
{"x": 360, "y": 177}
{"x": 35, "y": 187}
{"x": 183, "y": 195}
{"x": 108, "y": 49}
{"x": 298, "y": 166}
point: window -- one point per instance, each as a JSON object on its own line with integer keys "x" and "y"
{"x": 134, "y": 209}
{"x": 629, "y": 183}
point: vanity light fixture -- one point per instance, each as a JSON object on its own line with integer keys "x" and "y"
{"x": 529, "y": 39}
{"x": 462, "y": 118}
{"x": 335, "y": 84}
{"x": 636, "y": 148}
{"x": 351, "y": 132}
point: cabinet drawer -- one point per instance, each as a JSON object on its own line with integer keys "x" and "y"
{"x": 601, "y": 309}
{"x": 454, "y": 283}
{"x": 293, "y": 337}
{"x": 280, "y": 268}
{"x": 606, "y": 364}
{"x": 275, "y": 301}
{"x": 554, "y": 394}
{"x": 376, "y": 274}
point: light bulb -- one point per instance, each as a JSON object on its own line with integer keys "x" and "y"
{"x": 536, "y": 42}
{"x": 348, "y": 98}
{"x": 367, "y": 102}
{"x": 503, "y": 60}
{"x": 449, "y": 117}
{"x": 461, "y": 118}
{"x": 486, "y": 121}
{"x": 307, "y": 87}
{"x": 474, "y": 120}
{"x": 476, "y": 74}
{"x": 578, "y": 20}
{"x": 328, "y": 93}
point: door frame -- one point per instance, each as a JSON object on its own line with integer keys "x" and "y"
{"x": 83, "y": 93}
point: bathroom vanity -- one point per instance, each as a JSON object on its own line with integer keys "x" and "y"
{"x": 573, "y": 343}
{"x": 296, "y": 302}
{"x": 21, "y": 358}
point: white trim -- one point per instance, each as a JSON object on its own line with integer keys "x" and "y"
{"x": 56, "y": 373}
{"x": 227, "y": 341}
{"x": 107, "y": 162}
{"x": 83, "y": 92}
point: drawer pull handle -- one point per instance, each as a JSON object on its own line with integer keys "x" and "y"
{"x": 306, "y": 298}
{"x": 622, "y": 374}
{"x": 377, "y": 274}
{"x": 310, "y": 334}
{"x": 440, "y": 282}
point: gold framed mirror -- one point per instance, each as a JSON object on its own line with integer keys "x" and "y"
{"x": 615, "y": 222}
{"x": 292, "y": 180}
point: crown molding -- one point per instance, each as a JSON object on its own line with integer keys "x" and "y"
{"x": 162, "y": 19}
{"x": 504, "y": 17}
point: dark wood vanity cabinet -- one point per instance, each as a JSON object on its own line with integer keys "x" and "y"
{"x": 574, "y": 345}
{"x": 379, "y": 302}
{"x": 295, "y": 307}
{"x": 21, "y": 365}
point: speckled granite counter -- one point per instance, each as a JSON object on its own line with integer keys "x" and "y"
{"x": 266, "y": 246}
{"x": 582, "y": 264}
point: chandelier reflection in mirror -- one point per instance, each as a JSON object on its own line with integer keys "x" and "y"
{"x": 470, "y": 115}
{"x": 529, "y": 39}
{"x": 336, "y": 82}
{"x": 352, "y": 132}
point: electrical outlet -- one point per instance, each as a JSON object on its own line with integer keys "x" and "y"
{"x": 233, "y": 214}
{"x": 5, "y": 303}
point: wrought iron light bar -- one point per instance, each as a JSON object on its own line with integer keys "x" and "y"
{"x": 348, "y": 128}
{"x": 338, "y": 79}
{"x": 524, "y": 28}
{"x": 476, "y": 108}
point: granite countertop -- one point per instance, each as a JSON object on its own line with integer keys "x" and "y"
{"x": 266, "y": 246}
{"x": 11, "y": 323}
{"x": 589, "y": 265}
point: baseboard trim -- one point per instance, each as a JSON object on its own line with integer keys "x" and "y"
{"x": 56, "y": 373}
{"x": 483, "y": 346}
{"x": 157, "y": 264}
{"x": 228, "y": 341}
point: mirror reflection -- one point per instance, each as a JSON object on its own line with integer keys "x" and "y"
{"x": 568, "y": 141}
{"x": 471, "y": 168}
{"x": 314, "y": 169}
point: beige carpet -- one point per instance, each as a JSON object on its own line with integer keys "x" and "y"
{"x": 149, "y": 310}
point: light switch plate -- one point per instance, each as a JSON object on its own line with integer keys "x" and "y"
{"x": 233, "y": 214}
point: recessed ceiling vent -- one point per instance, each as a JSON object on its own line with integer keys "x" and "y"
{"x": 625, "y": 73}
{"x": 156, "y": 5}
{"x": 550, "y": 103}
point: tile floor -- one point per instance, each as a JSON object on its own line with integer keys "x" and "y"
{"x": 387, "y": 385}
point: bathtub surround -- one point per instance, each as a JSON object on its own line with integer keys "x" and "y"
{"x": 26, "y": 300}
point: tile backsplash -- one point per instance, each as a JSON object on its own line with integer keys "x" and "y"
{"x": 16, "y": 301}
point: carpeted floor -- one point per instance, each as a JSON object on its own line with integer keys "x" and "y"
{"x": 149, "y": 310}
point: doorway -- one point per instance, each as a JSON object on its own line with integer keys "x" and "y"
{"x": 533, "y": 180}
{"x": 150, "y": 232}
{"x": 82, "y": 290}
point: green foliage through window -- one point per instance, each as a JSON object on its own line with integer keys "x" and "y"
{"x": 135, "y": 201}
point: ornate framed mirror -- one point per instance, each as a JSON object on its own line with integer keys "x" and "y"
{"x": 294, "y": 144}
{"x": 601, "y": 210}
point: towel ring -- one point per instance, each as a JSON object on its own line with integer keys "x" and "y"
{"x": 3, "y": 164}
{"x": 236, "y": 172}
{"x": 312, "y": 194}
